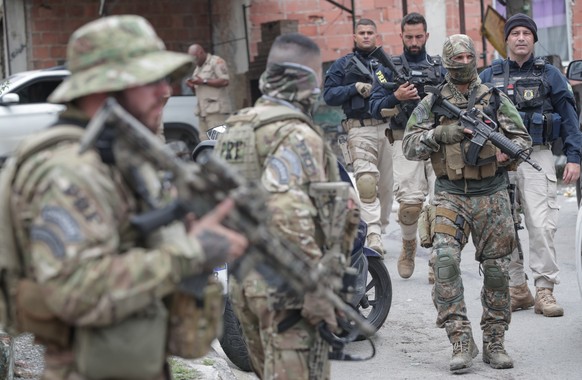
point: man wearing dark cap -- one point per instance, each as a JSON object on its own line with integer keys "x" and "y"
{"x": 541, "y": 94}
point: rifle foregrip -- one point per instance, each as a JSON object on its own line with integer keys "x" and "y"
{"x": 511, "y": 149}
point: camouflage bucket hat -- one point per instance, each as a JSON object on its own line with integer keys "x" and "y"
{"x": 114, "y": 53}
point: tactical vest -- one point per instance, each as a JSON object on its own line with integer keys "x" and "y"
{"x": 531, "y": 96}
{"x": 358, "y": 69}
{"x": 449, "y": 159}
{"x": 238, "y": 145}
{"x": 11, "y": 262}
{"x": 427, "y": 72}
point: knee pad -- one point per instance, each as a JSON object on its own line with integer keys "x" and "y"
{"x": 446, "y": 268}
{"x": 494, "y": 278}
{"x": 495, "y": 294}
{"x": 366, "y": 185}
{"x": 408, "y": 213}
{"x": 448, "y": 288}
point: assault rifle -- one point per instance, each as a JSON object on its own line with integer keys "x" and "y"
{"x": 200, "y": 189}
{"x": 483, "y": 128}
{"x": 416, "y": 77}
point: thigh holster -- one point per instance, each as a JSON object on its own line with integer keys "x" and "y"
{"x": 461, "y": 229}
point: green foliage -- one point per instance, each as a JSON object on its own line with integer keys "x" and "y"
{"x": 181, "y": 371}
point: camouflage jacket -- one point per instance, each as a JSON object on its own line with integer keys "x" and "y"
{"x": 72, "y": 221}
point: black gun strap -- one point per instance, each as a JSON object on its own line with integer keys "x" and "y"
{"x": 360, "y": 65}
{"x": 289, "y": 321}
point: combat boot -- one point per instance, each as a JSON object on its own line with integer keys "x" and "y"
{"x": 521, "y": 297}
{"x": 374, "y": 241}
{"x": 406, "y": 259}
{"x": 463, "y": 353}
{"x": 545, "y": 303}
{"x": 494, "y": 353}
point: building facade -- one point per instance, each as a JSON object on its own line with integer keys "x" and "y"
{"x": 34, "y": 33}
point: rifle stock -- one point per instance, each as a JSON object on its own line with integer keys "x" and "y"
{"x": 201, "y": 188}
{"x": 473, "y": 120}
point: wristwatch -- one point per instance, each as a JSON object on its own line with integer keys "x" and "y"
{"x": 205, "y": 81}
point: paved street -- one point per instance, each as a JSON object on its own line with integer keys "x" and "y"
{"x": 409, "y": 346}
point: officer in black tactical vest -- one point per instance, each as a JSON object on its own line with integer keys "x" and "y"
{"x": 414, "y": 180}
{"x": 348, "y": 83}
{"x": 546, "y": 104}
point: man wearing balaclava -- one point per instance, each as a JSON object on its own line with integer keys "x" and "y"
{"x": 546, "y": 104}
{"x": 276, "y": 144}
{"x": 469, "y": 200}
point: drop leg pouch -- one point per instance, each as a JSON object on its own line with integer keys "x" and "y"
{"x": 131, "y": 349}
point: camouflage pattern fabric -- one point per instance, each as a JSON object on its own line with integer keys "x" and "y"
{"x": 291, "y": 82}
{"x": 491, "y": 223}
{"x": 482, "y": 203}
{"x": 457, "y": 72}
{"x": 114, "y": 53}
{"x": 293, "y": 155}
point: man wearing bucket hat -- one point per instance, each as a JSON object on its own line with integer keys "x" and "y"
{"x": 547, "y": 106}
{"x": 469, "y": 200}
{"x": 91, "y": 290}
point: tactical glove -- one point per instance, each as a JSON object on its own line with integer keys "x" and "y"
{"x": 364, "y": 89}
{"x": 449, "y": 133}
{"x": 316, "y": 309}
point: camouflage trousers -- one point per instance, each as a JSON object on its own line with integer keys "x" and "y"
{"x": 491, "y": 228}
{"x": 274, "y": 355}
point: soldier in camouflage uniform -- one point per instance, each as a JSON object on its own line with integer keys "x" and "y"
{"x": 291, "y": 155}
{"x": 87, "y": 271}
{"x": 469, "y": 200}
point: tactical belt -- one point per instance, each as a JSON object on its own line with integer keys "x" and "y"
{"x": 364, "y": 122}
{"x": 460, "y": 232}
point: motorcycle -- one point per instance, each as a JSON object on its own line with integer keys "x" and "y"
{"x": 370, "y": 292}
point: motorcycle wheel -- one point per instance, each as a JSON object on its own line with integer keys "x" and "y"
{"x": 376, "y": 303}
{"x": 232, "y": 340}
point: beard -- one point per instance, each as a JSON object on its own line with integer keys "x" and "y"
{"x": 420, "y": 51}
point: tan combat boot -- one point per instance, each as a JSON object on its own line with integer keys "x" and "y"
{"x": 374, "y": 241}
{"x": 546, "y": 304}
{"x": 494, "y": 352}
{"x": 521, "y": 297}
{"x": 406, "y": 259}
{"x": 463, "y": 353}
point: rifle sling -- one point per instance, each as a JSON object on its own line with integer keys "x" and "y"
{"x": 289, "y": 321}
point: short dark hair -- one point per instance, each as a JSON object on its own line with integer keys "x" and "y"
{"x": 365, "y": 21}
{"x": 298, "y": 39}
{"x": 413, "y": 18}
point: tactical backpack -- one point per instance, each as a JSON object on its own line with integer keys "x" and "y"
{"x": 11, "y": 263}
{"x": 238, "y": 145}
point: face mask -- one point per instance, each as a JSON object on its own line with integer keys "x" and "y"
{"x": 292, "y": 82}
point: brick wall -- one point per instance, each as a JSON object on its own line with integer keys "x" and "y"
{"x": 177, "y": 22}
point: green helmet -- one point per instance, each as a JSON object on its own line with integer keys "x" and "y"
{"x": 114, "y": 53}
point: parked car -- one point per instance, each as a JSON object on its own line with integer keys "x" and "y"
{"x": 24, "y": 109}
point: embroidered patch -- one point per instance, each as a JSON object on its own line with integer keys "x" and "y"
{"x": 293, "y": 162}
{"x": 63, "y": 220}
{"x": 278, "y": 170}
{"x": 306, "y": 158}
{"x": 39, "y": 234}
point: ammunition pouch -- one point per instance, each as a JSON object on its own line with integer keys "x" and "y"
{"x": 194, "y": 323}
{"x": 543, "y": 128}
{"x": 426, "y": 225}
{"x": 450, "y": 161}
{"x": 129, "y": 349}
{"x": 34, "y": 316}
